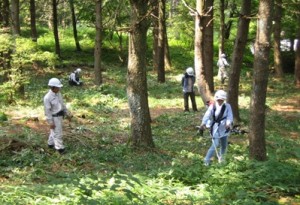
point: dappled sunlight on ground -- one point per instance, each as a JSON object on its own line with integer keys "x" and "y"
{"x": 24, "y": 120}
{"x": 289, "y": 105}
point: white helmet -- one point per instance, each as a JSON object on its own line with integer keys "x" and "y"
{"x": 78, "y": 70}
{"x": 223, "y": 55}
{"x": 190, "y": 71}
{"x": 54, "y": 82}
{"x": 220, "y": 95}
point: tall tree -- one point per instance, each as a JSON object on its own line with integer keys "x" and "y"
{"x": 168, "y": 63}
{"x": 297, "y": 57}
{"x": 257, "y": 142}
{"x": 232, "y": 11}
{"x": 4, "y": 13}
{"x": 173, "y": 6}
{"x": 166, "y": 53}
{"x": 237, "y": 58}
{"x": 161, "y": 41}
{"x": 34, "y": 34}
{"x": 276, "y": 33}
{"x": 98, "y": 42}
{"x": 208, "y": 44}
{"x": 155, "y": 18}
{"x": 15, "y": 17}
{"x": 137, "y": 91}
{"x": 55, "y": 28}
{"x": 202, "y": 84}
{"x": 222, "y": 28}
{"x": 74, "y": 24}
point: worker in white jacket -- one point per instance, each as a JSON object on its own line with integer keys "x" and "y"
{"x": 55, "y": 110}
{"x": 222, "y": 64}
{"x": 218, "y": 118}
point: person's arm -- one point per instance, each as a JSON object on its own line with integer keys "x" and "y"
{"x": 207, "y": 116}
{"x": 48, "y": 113}
{"x": 73, "y": 78}
{"x": 226, "y": 62}
{"x": 67, "y": 113}
{"x": 229, "y": 119}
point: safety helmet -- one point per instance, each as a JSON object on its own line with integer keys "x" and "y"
{"x": 54, "y": 82}
{"x": 223, "y": 55}
{"x": 220, "y": 95}
{"x": 190, "y": 71}
{"x": 78, "y": 70}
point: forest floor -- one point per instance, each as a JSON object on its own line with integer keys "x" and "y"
{"x": 289, "y": 107}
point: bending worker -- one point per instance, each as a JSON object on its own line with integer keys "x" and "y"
{"x": 74, "y": 78}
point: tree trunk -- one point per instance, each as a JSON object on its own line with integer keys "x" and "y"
{"x": 15, "y": 15}
{"x": 237, "y": 58}
{"x": 297, "y": 57}
{"x": 74, "y": 24}
{"x": 222, "y": 28}
{"x": 55, "y": 28}
{"x": 141, "y": 135}
{"x": 155, "y": 34}
{"x": 277, "y": 32}
{"x": 161, "y": 42}
{"x": 168, "y": 64}
{"x": 257, "y": 143}
{"x": 98, "y": 41}
{"x": 202, "y": 84}
{"x": 34, "y": 35}
{"x": 173, "y": 8}
{"x": 208, "y": 44}
{"x": 4, "y": 13}
{"x": 227, "y": 26}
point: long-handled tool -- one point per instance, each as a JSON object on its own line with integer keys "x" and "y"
{"x": 235, "y": 130}
{"x": 218, "y": 155}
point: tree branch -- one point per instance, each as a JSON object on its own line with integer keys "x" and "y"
{"x": 192, "y": 12}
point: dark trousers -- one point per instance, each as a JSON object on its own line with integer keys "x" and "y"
{"x": 186, "y": 101}
{"x": 72, "y": 83}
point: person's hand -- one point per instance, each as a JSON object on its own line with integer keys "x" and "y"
{"x": 227, "y": 127}
{"x": 202, "y": 127}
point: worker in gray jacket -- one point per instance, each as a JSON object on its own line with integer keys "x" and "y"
{"x": 55, "y": 110}
{"x": 187, "y": 82}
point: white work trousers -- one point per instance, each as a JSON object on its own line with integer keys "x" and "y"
{"x": 55, "y": 137}
{"x": 222, "y": 73}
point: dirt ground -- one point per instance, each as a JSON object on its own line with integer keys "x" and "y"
{"x": 290, "y": 110}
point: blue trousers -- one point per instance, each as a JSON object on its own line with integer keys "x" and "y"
{"x": 215, "y": 144}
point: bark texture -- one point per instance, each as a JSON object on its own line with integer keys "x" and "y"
{"x": 141, "y": 135}
{"x": 55, "y": 27}
{"x": 237, "y": 58}
{"x": 34, "y": 35}
{"x": 98, "y": 40}
{"x": 208, "y": 44}
{"x": 277, "y": 31}
{"x": 257, "y": 143}
{"x": 74, "y": 25}
{"x": 202, "y": 84}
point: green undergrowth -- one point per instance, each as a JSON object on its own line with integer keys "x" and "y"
{"x": 100, "y": 168}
